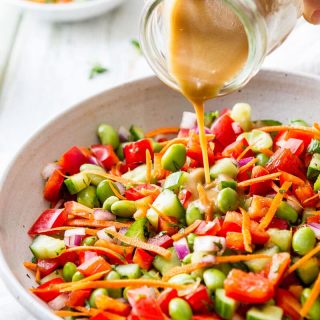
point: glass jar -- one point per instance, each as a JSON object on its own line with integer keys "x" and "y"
{"x": 267, "y": 23}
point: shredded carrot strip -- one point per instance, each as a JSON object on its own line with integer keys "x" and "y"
{"x": 111, "y": 177}
{"x": 116, "y": 192}
{"x": 246, "y": 230}
{"x": 84, "y": 215}
{"x": 248, "y": 165}
{"x": 241, "y": 257}
{"x": 90, "y": 232}
{"x": 186, "y": 231}
{"x": 148, "y": 166}
{"x": 316, "y": 126}
{"x": 296, "y": 290}
{"x": 107, "y": 303}
{"x": 77, "y": 207}
{"x": 29, "y": 265}
{"x": 267, "y": 152}
{"x": 248, "y": 148}
{"x": 161, "y": 214}
{"x": 286, "y": 196}
{"x": 304, "y": 259}
{"x": 276, "y": 201}
{"x": 311, "y": 198}
{"x": 97, "y": 224}
{"x": 140, "y": 244}
{"x": 103, "y": 250}
{"x": 291, "y": 178}
{"x": 315, "y": 291}
{"x": 165, "y": 130}
{"x": 205, "y": 201}
{"x": 123, "y": 250}
{"x": 63, "y": 314}
{"x": 172, "y": 142}
{"x": 107, "y": 314}
{"x": 142, "y": 207}
{"x": 295, "y": 128}
{"x": 249, "y": 182}
{"x": 38, "y": 275}
{"x": 158, "y": 171}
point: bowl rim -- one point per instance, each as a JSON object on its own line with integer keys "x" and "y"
{"x": 13, "y": 285}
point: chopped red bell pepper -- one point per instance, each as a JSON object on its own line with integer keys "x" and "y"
{"x": 236, "y": 148}
{"x": 259, "y": 207}
{"x": 51, "y": 191}
{"x": 288, "y": 303}
{"x": 140, "y": 191}
{"x": 223, "y": 130}
{"x": 105, "y": 155}
{"x": 260, "y": 188}
{"x": 94, "y": 265}
{"x": 46, "y": 266}
{"x": 296, "y": 146}
{"x": 48, "y": 295}
{"x": 143, "y": 259}
{"x": 72, "y": 160}
{"x": 51, "y": 218}
{"x": 279, "y": 223}
{"x": 199, "y": 300}
{"x": 294, "y": 134}
{"x": 78, "y": 298}
{"x": 170, "y": 227}
{"x": 303, "y": 193}
{"x": 67, "y": 257}
{"x": 210, "y": 228}
{"x": 211, "y": 316}
{"x": 163, "y": 241}
{"x": 279, "y": 265}
{"x": 185, "y": 197}
{"x": 99, "y": 316}
{"x": 164, "y": 299}
{"x": 258, "y": 235}
{"x": 234, "y": 241}
{"x": 135, "y": 152}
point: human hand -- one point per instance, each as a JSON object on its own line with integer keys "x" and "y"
{"x": 311, "y": 11}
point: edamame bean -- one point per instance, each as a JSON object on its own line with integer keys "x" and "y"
{"x": 303, "y": 240}
{"x": 224, "y": 166}
{"x": 314, "y": 311}
{"x": 104, "y": 190}
{"x": 115, "y": 292}
{"x": 187, "y": 259}
{"x": 227, "y": 200}
{"x": 190, "y": 239}
{"x": 89, "y": 241}
{"x": 88, "y": 197}
{"x": 174, "y": 158}
{"x": 109, "y": 202}
{"x": 157, "y": 147}
{"x": 95, "y": 293}
{"x": 94, "y": 178}
{"x": 182, "y": 278}
{"x": 124, "y": 208}
{"x": 180, "y": 309}
{"x": 108, "y": 135}
{"x": 193, "y": 213}
{"x": 68, "y": 271}
{"x": 262, "y": 159}
{"x": 77, "y": 276}
{"x": 309, "y": 271}
{"x": 214, "y": 278}
{"x": 285, "y": 211}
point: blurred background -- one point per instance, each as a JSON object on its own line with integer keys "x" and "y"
{"x": 46, "y": 67}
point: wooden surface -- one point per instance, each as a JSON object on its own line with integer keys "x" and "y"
{"x": 44, "y": 69}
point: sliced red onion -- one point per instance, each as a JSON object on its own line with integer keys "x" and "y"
{"x": 124, "y": 134}
{"x": 59, "y": 302}
{"x": 48, "y": 170}
{"x": 188, "y": 121}
{"x": 182, "y": 248}
{"x": 316, "y": 229}
{"x": 103, "y": 215}
{"x": 244, "y": 161}
{"x": 101, "y": 234}
{"x": 121, "y": 187}
{"x": 209, "y": 244}
{"x": 209, "y": 259}
{"x": 75, "y": 232}
{"x": 73, "y": 241}
{"x": 95, "y": 161}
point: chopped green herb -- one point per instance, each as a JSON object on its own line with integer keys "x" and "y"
{"x": 96, "y": 70}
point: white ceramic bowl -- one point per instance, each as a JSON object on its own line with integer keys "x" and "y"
{"x": 147, "y": 103}
{"x": 65, "y": 12}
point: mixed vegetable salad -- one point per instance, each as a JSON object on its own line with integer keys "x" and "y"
{"x": 134, "y": 233}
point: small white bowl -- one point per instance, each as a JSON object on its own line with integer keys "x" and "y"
{"x": 64, "y": 12}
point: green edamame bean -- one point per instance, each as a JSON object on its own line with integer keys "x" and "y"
{"x": 190, "y": 239}
{"x": 214, "y": 278}
{"x": 108, "y": 135}
{"x": 69, "y": 269}
{"x": 180, "y": 309}
{"x": 227, "y": 200}
{"x": 77, "y": 276}
{"x": 104, "y": 190}
{"x": 95, "y": 293}
{"x": 124, "y": 208}
{"x": 88, "y": 197}
{"x": 174, "y": 158}
{"x": 303, "y": 240}
{"x": 262, "y": 159}
{"x": 224, "y": 166}
{"x": 89, "y": 241}
{"x": 157, "y": 147}
{"x": 309, "y": 271}
{"x": 116, "y": 292}
{"x": 109, "y": 202}
{"x": 182, "y": 278}
{"x": 314, "y": 311}
{"x": 193, "y": 213}
{"x": 187, "y": 259}
{"x": 125, "y": 292}
{"x": 94, "y": 178}
{"x": 285, "y": 211}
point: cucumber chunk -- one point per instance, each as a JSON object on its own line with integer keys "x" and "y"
{"x": 259, "y": 140}
{"x": 129, "y": 271}
{"x": 77, "y": 182}
{"x": 175, "y": 180}
{"x": 265, "y": 313}
{"x": 138, "y": 174}
{"x": 280, "y": 238}
{"x": 163, "y": 265}
{"x": 225, "y": 306}
{"x": 53, "y": 275}
{"x": 45, "y": 247}
{"x": 314, "y": 146}
{"x": 314, "y": 167}
{"x": 138, "y": 229}
{"x": 258, "y": 265}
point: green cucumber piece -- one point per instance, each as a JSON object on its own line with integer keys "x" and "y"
{"x": 314, "y": 146}
{"x": 138, "y": 230}
{"x": 265, "y": 313}
{"x": 314, "y": 167}
{"x": 259, "y": 140}
{"x": 316, "y": 186}
{"x": 175, "y": 180}
{"x": 45, "y": 247}
{"x": 308, "y": 271}
{"x": 298, "y": 122}
{"x": 136, "y": 132}
{"x": 94, "y": 178}
{"x": 225, "y": 306}
{"x": 258, "y": 265}
{"x": 138, "y": 174}
{"x": 224, "y": 166}
{"x": 163, "y": 265}
{"x": 285, "y": 211}
{"x": 228, "y": 184}
{"x": 280, "y": 238}
{"x": 129, "y": 271}
{"x": 77, "y": 182}
{"x": 314, "y": 311}
{"x": 88, "y": 197}
{"x": 53, "y": 275}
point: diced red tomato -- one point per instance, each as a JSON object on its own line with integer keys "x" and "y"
{"x": 135, "y": 152}
{"x": 285, "y": 160}
{"x": 105, "y": 155}
{"x": 94, "y": 265}
{"x": 260, "y": 188}
{"x": 259, "y": 207}
{"x": 143, "y": 259}
{"x": 165, "y": 297}
{"x": 248, "y": 287}
{"x": 236, "y": 148}
{"x": 303, "y": 193}
{"x": 51, "y": 218}
{"x": 234, "y": 241}
{"x": 223, "y": 130}
{"x": 86, "y": 255}
{"x": 199, "y": 300}
{"x": 279, "y": 265}
{"x": 210, "y": 228}
{"x": 296, "y": 146}
{"x": 288, "y": 303}
{"x": 72, "y": 160}
{"x": 278, "y": 223}
{"x": 47, "y": 266}
{"x": 77, "y": 298}
{"x": 48, "y": 295}
{"x": 51, "y": 191}
{"x": 163, "y": 241}
{"x": 140, "y": 191}
{"x": 185, "y": 197}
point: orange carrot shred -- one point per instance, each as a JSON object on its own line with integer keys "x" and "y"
{"x": 315, "y": 291}
{"x": 161, "y": 214}
{"x": 165, "y": 130}
{"x": 246, "y": 230}
{"x": 172, "y": 142}
{"x": 116, "y": 192}
{"x": 286, "y": 196}
{"x": 311, "y": 198}
{"x": 91, "y": 232}
{"x": 31, "y": 266}
{"x": 206, "y": 202}
{"x": 112, "y": 177}
{"x": 316, "y": 126}
{"x": 122, "y": 250}
{"x": 248, "y": 165}
{"x": 241, "y": 257}
{"x": 249, "y": 182}
{"x": 291, "y": 178}
{"x": 242, "y": 154}
{"x": 148, "y": 167}
{"x": 295, "y": 128}
{"x": 276, "y": 201}
{"x": 38, "y": 275}
{"x": 97, "y": 224}
{"x": 304, "y": 259}
{"x": 107, "y": 314}
{"x": 267, "y": 152}
{"x": 140, "y": 244}
{"x": 186, "y": 231}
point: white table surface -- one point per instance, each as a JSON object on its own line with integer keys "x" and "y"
{"x": 44, "y": 69}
